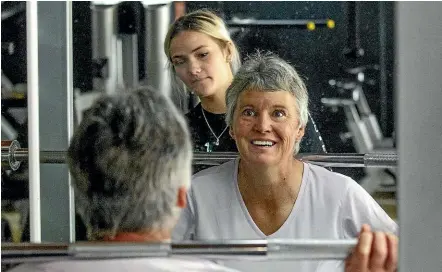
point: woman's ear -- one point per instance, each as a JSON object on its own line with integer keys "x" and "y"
{"x": 300, "y": 133}
{"x": 228, "y": 51}
{"x": 232, "y": 134}
{"x": 182, "y": 197}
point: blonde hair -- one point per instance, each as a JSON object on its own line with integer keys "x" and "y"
{"x": 203, "y": 21}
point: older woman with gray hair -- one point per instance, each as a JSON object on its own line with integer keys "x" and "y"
{"x": 267, "y": 193}
{"x": 130, "y": 159}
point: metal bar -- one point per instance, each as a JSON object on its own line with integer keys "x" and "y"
{"x": 55, "y": 78}
{"x": 352, "y": 26}
{"x": 353, "y": 48}
{"x": 277, "y": 23}
{"x": 33, "y": 118}
{"x": 383, "y": 77}
{"x": 8, "y": 130}
{"x": 70, "y": 108}
{"x": 8, "y": 151}
{"x": 274, "y": 249}
{"x": 128, "y": 19}
{"x": 157, "y": 20}
{"x": 384, "y": 160}
{"x": 374, "y": 159}
{"x": 129, "y": 60}
{"x": 362, "y": 102}
{"x": 310, "y": 249}
{"x": 334, "y": 160}
{"x": 45, "y": 156}
{"x": 104, "y": 46}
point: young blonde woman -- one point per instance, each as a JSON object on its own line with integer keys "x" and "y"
{"x": 204, "y": 60}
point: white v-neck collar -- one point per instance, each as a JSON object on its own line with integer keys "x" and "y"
{"x": 292, "y": 213}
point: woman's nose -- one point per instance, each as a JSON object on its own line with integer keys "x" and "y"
{"x": 194, "y": 68}
{"x": 263, "y": 123}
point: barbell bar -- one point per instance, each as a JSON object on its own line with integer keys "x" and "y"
{"x": 9, "y": 148}
{"x": 13, "y": 155}
{"x": 308, "y": 24}
{"x": 272, "y": 249}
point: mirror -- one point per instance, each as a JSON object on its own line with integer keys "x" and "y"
{"x": 344, "y": 51}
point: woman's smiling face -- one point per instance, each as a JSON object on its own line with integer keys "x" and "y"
{"x": 266, "y": 126}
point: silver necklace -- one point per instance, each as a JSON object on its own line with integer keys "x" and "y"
{"x": 211, "y": 130}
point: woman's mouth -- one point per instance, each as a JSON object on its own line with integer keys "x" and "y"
{"x": 263, "y": 143}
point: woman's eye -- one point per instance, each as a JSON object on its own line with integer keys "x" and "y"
{"x": 178, "y": 62}
{"x": 279, "y": 113}
{"x": 248, "y": 112}
{"x": 203, "y": 55}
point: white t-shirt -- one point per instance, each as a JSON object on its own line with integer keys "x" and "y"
{"x": 142, "y": 264}
{"x": 329, "y": 206}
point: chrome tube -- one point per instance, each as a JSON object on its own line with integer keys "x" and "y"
{"x": 117, "y": 250}
{"x": 272, "y": 249}
{"x": 157, "y": 21}
{"x": 334, "y": 159}
{"x": 8, "y": 159}
{"x": 33, "y": 120}
{"x": 279, "y": 23}
{"x": 104, "y": 47}
{"x": 129, "y": 60}
{"x": 8, "y": 131}
{"x": 388, "y": 160}
{"x": 310, "y": 249}
{"x": 383, "y": 160}
{"x": 21, "y": 154}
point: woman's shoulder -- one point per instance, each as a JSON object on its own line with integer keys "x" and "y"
{"x": 326, "y": 188}
{"x": 216, "y": 181}
{"x": 327, "y": 179}
{"x": 221, "y": 174}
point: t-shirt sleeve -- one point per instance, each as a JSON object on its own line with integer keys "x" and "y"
{"x": 358, "y": 208}
{"x": 185, "y": 228}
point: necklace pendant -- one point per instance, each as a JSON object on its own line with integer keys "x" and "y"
{"x": 208, "y": 147}
{"x": 211, "y": 130}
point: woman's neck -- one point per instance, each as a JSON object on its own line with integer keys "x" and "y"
{"x": 274, "y": 184}
{"x": 215, "y": 103}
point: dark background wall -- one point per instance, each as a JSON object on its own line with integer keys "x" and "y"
{"x": 14, "y": 30}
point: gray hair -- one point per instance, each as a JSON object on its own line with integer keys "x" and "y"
{"x": 267, "y": 73}
{"x": 128, "y": 158}
{"x": 203, "y": 21}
